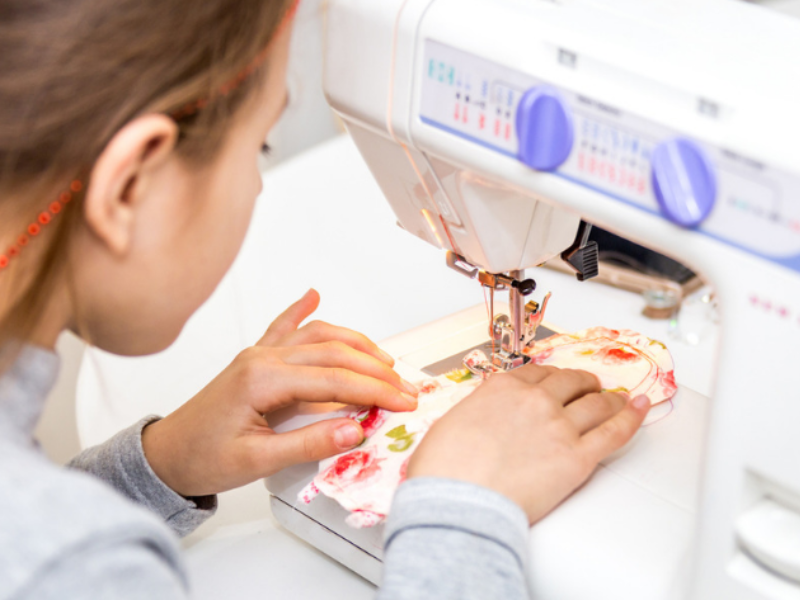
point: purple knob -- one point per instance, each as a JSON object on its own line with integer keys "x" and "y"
{"x": 684, "y": 182}
{"x": 544, "y": 128}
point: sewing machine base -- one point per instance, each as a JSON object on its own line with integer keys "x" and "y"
{"x": 637, "y": 509}
{"x": 334, "y": 544}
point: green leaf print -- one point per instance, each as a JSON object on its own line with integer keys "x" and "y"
{"x": 403, "y": 439}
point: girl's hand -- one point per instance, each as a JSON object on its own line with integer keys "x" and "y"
{"x": 221, "y": 438}
{"x": 534, "y": 434}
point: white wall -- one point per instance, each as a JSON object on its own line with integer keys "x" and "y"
{"x": 307, "y": 120}
{"x": 789, "y": 7}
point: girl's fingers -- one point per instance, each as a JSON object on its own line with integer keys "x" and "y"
{"x": 337, "y": 354}
{"x": 594, "y": 409}
{"x": 289, "y": 384}
{"x": 284, "y": 332}
{"x": 614, "y": 433}
{"x": 531, "y": 373}
{"x": 289, "y": 320}
{"x": 317, "y": 332}
{"x": 313, "y": 442}
{"x": 566, "y": 385}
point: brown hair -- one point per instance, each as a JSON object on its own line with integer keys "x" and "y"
{"x": 72, "y": 73}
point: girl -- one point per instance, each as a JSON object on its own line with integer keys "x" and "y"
{"x": 129, "y": 131}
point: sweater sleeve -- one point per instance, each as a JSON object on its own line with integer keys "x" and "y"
{"x": 121, "y": 463}
{"x": 452, "y": 539}
{"x": 120, "y": 569}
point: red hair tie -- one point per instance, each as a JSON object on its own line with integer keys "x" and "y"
{"x": 76, "y": 186}
{"x": 44, "y": 218}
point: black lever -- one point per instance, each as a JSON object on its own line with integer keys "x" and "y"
{"x": 524, "y": 287}
{"x": 582, "y": 255}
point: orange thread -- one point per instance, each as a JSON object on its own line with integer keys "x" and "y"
{"x": 390, "y": 129}
{"x": 491, "y": 319}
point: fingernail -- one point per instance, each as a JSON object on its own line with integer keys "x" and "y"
{"x": 412, "y": 402}
{"x": 386, "y": 357}
{"x": 641, "y": 401}
{"x": 410, "y": 387}
{"x": 347, "y": 436}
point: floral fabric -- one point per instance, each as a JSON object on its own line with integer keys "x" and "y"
{"x": 623, "y": 360}
{"x": 364, "y": 480}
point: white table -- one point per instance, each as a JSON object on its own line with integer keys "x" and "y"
{"x": 321, "y": 222}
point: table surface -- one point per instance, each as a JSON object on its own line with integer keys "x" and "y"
{"x": 321, "y": 222}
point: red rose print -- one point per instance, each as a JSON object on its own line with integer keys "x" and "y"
{"x": 371, "y": 419}
{"x": 667, "y": 380}
{"x": 357, "y": 466}
{"x": 539, "y": 358}
{"x": 429, "y": 386}
{"x": 404, "y": 469}
{"x": 618, "y": 356}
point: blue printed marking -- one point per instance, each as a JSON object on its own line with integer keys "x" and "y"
{"x": 790, "y": 262}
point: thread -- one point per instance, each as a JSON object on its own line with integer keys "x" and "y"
{"x": 490, "y": 317}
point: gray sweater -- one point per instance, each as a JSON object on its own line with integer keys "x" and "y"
{"x": 106, "y": 527}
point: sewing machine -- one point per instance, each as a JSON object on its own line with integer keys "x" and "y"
{"x": 497, "y": 129}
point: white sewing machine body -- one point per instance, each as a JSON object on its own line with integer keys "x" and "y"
{"x": 430, "y": 91}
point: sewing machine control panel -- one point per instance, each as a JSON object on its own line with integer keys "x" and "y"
{"x": 720, "y": 194}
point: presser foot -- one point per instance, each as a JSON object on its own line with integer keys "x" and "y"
{"x": 478, "y": 363}
{"x": 506, "y": 361}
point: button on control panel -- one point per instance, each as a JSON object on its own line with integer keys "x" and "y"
{"x": 544, "y": 128}
{"x": 684, "y": 181}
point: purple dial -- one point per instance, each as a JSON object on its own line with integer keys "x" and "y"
{"x": 544, "y": 128}
{"x": 684, "y": 182}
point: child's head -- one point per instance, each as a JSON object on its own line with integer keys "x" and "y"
{"x": 159, "y": 108}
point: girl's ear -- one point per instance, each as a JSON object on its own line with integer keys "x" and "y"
{"x": 118, "y": 183}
